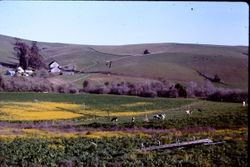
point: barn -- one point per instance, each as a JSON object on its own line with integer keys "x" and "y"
{"x": 54, "y": 67}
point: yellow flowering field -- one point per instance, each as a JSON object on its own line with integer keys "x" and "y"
{"x": 11, "y": 133}
{"x": 100, "y": 134}
{"x": 136, "y": 104}
{"x": 37, "y": 111}
{"x": 116, "y": 113}
{"x": 34, "y": 111}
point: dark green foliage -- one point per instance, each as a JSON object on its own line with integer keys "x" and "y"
{"x": 216, "y": 78}
{"x": 85, "y": 83}
{"x": 228, "y": 96}
{"x": 28, "y": 56}
{"x": 146, "y": 51}
{"x": 181, "y": 90}
{"x": 1, "y": 82}
{"x": 117, "y": 151}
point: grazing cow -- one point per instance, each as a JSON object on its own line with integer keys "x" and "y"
{"x": 199, "y": 110}
{"x": 189, "y": 112}
{"x": 35, "y": 100}
{"x": 133, "y": 119}
{"x": 163, "y": 116}
{"x": 114, "y": 119}
{"x": 243, "y": 103}
{"x": 157, "y": 116}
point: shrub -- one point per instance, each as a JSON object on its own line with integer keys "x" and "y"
{"x": 72, "y": 89}
{"x": 62, "y": 89}
{"x": 106, "y": 83}
{"x": 119, "y": 89}
{"x": 157, "y": 86}
{"x": 1, "y": 82}
{"x": 167, "y": 92}
{"x": 27, "y": 84}
{"x": 205, "y": 90}
{"x": 148, "y": 93}
{"x": 97, "y": 90}
{"x": 160, "y": 89}
{"x": 228, "y": 95}
{"x": 191, "y": 87}
{"x": 85, "y": 83}
{"x": 135, "y": 89}
{"x": 216, "y": 78}
{"x": 181, "y": 90}
{"x": 42, "y": 73}
{"x": 146, "y": 51}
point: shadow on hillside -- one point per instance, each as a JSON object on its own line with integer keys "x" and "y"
{"x": 9, "y": 64}
{"x": 210, "y": 78}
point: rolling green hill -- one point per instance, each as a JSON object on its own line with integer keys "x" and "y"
{"x": 174, "y": 62}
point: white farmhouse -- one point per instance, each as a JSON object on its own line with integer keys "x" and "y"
{"x": 54, "y": 64}
{"x": 20, "y": 70}
{"x": 28, "y": 72}
{"x": 55, "y": 70}
{"x": 54, "y": 67}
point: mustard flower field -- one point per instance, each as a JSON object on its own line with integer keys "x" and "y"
{"x": 38, "y": 129}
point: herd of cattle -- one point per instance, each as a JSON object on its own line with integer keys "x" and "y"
{"x": 163, "y": 116}
{"x": 155, "y": 117}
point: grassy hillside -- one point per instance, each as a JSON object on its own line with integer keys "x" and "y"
{"x": 174, "y": 62}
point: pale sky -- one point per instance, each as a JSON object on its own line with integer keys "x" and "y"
{"x": 117, "y": 23}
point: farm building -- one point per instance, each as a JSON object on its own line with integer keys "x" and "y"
{"x": 29, "y": 72}
{"x": 20, "y": 70}
{"x": 68, "y": 73}
{"x": 54, "y": 67}
{"x": 10, "y": 73}
{"x": 54, "y": 64}
{"x": 55, "y": 70}
{"x": 68, "y": 70}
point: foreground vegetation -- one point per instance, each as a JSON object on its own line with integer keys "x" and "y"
{"x": 117, "y": 152}
{"x": 75, "y": 130}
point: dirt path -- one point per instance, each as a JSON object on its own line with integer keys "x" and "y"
{"x": 113, "y": 60}
{"x": 80, "y": 78}
{"x": 185, "y": 107}
{"x": 57, "y": 81}
{"x": 94, "y": 63}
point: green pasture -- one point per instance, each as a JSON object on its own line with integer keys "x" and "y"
{"x": 218, "y": 114}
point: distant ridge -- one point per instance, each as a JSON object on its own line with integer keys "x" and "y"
{"x": 175, "y": 62}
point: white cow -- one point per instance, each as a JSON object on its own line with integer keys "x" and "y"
{"x": 243, "y": 103}
{"x": 163, "y": 116}
{"x": 189, "y": 112}
{"x": 114, "y": 119}
{"x": 159, "y": 116}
